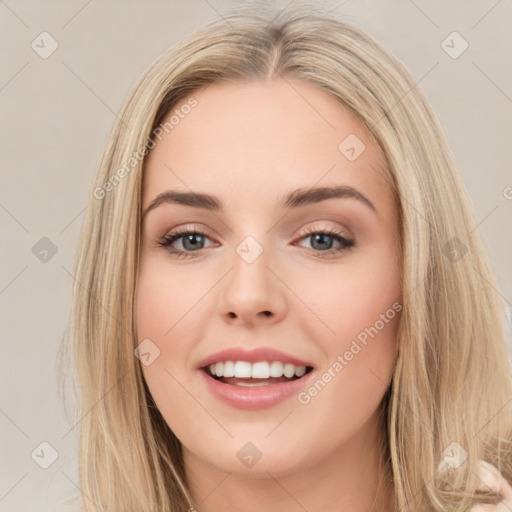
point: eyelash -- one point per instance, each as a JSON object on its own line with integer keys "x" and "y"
{"x": 170, "y": 238}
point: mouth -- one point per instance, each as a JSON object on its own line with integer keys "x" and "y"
{"x": 254, "y": 379}
{"x": 261, "y": 373}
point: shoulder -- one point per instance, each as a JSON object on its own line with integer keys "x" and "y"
{"x": 492, "y": 479}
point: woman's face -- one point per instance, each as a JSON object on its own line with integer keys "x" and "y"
{"x": 271, "y": 270}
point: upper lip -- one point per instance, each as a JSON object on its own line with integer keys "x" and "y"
{"x": 252, "y": 356}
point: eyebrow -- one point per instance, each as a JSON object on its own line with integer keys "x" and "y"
{"x": 296, "y": 199}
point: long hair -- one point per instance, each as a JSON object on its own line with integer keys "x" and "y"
{"x": 451, "y": 385}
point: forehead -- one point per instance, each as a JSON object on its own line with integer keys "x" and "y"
{"x": 261, "y": 139}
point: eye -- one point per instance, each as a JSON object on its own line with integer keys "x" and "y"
{"x": 322, "y": 241}
{"x": 193, "y": 240}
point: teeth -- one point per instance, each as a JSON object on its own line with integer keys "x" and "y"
{"x": 259, "y": 370}
{"x": 289, "y": 370}
{"x": 242, "y": 370}
{"x": 300, "y": 371}
{"x": 276, "y": 369}
{"x": 252, "y": 384}
{"x": 229, "y": 369}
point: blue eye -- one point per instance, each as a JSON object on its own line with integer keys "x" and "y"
{"x": 193, "y": 241}
{"x": 321, "y": 238}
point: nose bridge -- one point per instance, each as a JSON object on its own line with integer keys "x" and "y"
{"x": 251, "y": 290}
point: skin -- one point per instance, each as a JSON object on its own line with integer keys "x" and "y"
{"x": 249, "y": 144}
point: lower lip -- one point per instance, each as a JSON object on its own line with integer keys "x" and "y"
{"x": 256, "y": 397}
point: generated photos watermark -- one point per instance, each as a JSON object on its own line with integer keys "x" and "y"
{"x": 139, "y": 154}
{"x": 357, "y": 345}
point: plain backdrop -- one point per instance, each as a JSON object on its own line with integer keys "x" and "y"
{"x": 56, "y": 113}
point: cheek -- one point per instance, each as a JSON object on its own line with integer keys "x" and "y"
{"x": 166, "y": 315}
{"x": 155, "y": 304}
{"x": 369, "y": 305}
{"x": 358, "y": 365}
{"x": 360, "y": 309}
{"x": 168, "y": 301}
{"x": 350, "y": 297}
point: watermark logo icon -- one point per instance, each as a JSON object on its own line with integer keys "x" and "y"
{"x": 454, "y": 250}
{"x": 249, "y": 455}
{"x": 44, "y": 250}
{"x": 351, "y": 147}
{"x": 249, "y": 249}
{"x": 454, "y": 45}
{"x": 146, "y": 352}
{"x": 44, "y": 455}
{"x": 454, "y": 456}
{"x": 44, "y": 45}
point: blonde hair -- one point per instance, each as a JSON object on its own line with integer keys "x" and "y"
{"x": 451, "y": 382}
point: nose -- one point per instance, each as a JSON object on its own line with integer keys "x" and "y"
{"x": 252, "y": 293}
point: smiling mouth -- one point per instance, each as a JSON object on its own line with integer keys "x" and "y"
{"x": 242, "y": 373}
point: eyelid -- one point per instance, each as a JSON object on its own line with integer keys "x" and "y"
{"x": 185, "y": 228}
{"x": 316, "y": 226}
{"x": 340, "y": 230}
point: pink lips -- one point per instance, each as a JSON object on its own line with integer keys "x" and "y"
{"x": 255, "y": 397}
{"x": 252, "y": 356}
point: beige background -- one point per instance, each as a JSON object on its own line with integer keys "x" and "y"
{"x": 57, "y": 112}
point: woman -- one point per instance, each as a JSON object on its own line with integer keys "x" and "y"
{"x": 227, "y": 359}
